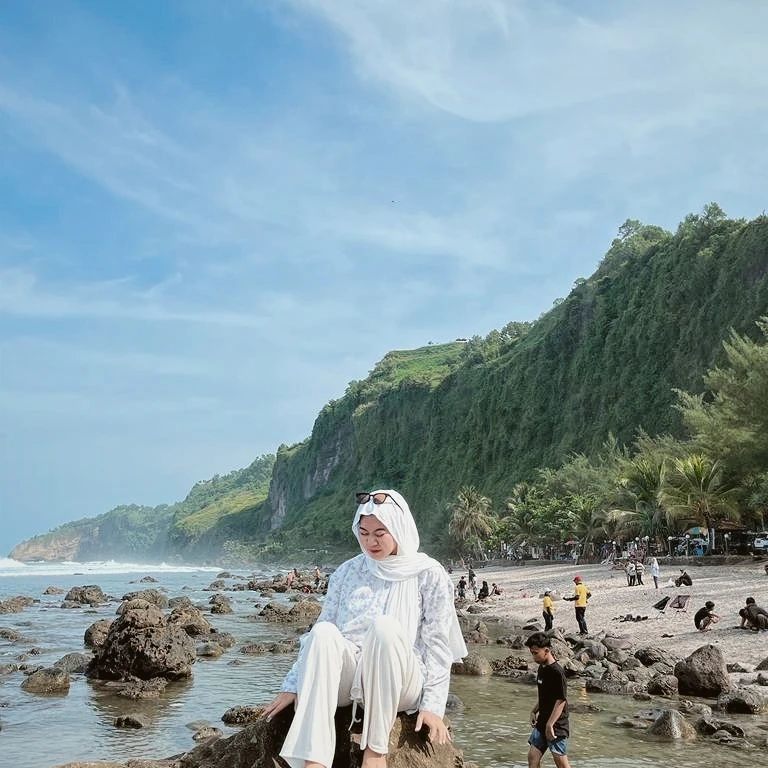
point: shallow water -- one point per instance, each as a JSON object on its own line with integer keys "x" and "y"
{"x": 38, "y": 732}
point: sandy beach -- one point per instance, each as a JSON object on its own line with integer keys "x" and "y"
{"x": 727, "y": 586}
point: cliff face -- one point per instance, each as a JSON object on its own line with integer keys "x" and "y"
{"x": 50, "y": 548}
{"x": 605, "y": 359}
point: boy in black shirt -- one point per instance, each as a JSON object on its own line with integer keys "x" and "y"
{"x": 549, "y": 717}
{"x": 705, "y": 617}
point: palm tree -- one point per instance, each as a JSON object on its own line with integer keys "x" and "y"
{"x": 696, "y": 492}
{"x": 471, "y": 519}
{"x": 585, "y": 517}
{"x": 642, "y": 510}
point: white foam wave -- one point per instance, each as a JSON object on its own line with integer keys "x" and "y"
{"x": 10, "y": 567}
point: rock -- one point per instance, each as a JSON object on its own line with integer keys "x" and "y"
{"x": 16, "y": 604}
{"x": 89, "y": 594}
{"x": 454, "y": 703}
{"x": 97, "y": 633}
{"x": 143, "y": 689}
{"x": 73, "y": 662}
{"x": 258, "y": 744}
{"x": 663, "y": 685}
{"x": 617, "y": 642}
{"x": 46, "y": 681}
{"x": 130, "y": 721}
{"x": 473, "y": 664}
{"x": 744, "y": 701}
{"x": 190, "y": 619}
{"x": 642, "y": 696}
{"x": 735, "y": 668}
{"x": 616, "y": 656}
{"x": 594, "y": 650}
{"x": 214, "y": 586}
{"x": 220, "y": 604}
{"x": 504, "y": 666}
{"x": 703, "y": 673}
{"x": 209, "y": 650}
{"x": 241, "y": 715}
{"x": 147, "y": 580}
{"x": 572, "y": 667}
{"x": 672, "y": 726}
{"x": 224, "y": 575}
{"x": 9, "y": 634}
{"x": 629, "y": 722}
{"x": 179, "y": 602}
{"x": 694, "y": 707}
{"x": 259, "y": 649}
{"x": 708, "y": 726}
{"x": 53, "y": 591}
{"x": 141, "y": 643}
{"x": 153, "y": 596}
{"x": 207, "y": 732}
{"x": 651, "y": 655}
{"x": 762, "y": 666}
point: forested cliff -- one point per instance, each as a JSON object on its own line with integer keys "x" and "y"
{"x": 490, "y": 411}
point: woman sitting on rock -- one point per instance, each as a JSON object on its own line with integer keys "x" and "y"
{"x": 386, "y": 638}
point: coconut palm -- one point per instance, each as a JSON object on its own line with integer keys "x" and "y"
{"x": 696, "y": 492}
{"x": 585, "y": 517}
{"x": 471, "y": 519}
{"x": 641, "y": 509}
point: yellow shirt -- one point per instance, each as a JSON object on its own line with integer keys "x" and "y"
{"x": 580, "y": 591}
{"x": 547, "y": 604}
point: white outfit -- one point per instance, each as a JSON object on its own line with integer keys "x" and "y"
{"x": 386, "y": 638}
{"x": 655, "y": 570}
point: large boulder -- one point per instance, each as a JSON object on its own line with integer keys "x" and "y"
{"x": 651, "y": 655}
{"x": 663, "y": 685}
{"x": 73, "y": 662}
{"x": 670, "y": 725}
{"x": 142, "y": 643}
{"x": 472, "y": 664}
{"x": 16, "y": 604}
{"x": 47, "y": 681}
{"x": 190, "y": 619}
{"x": 259, "y": 743}
{"x": 89, "y": 594}
{"x": 703, "y": 673}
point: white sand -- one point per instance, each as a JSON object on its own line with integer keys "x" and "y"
{"x": 726, "y": 586}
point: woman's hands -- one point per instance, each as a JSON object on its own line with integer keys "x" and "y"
{"x": 438, "y": 732}
{"x": 278, "y": 704}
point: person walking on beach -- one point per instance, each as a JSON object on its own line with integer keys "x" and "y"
{"x": 549, "y": 717}
{"x": 655, "y": 572}
{"x": 385, "y": 639}
{"x": 580, "y": 597}
{"x": 548, "y": 610}
{"x": 705, "y": 617}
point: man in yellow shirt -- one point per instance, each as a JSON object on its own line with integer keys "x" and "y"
{"x": 548, "y": 611}
{"x": 580, "y": 596}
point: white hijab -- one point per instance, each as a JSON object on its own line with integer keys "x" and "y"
{"x": 404, "y": 567}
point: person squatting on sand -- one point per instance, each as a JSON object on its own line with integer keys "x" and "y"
{"x": 580, "y": 597}
{"x": 705, "y": 617}
{"x": 385, "y": 639}
{"x": 549, "y": 716}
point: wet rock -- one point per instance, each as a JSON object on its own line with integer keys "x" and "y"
{"x": 89, "y": 594}
{"x": 304, "y": 612}
{"x": 147, "y": 580}
{"x": 663, "y": 685}
{"x": 672, "y": 726}
{"x": 473, "y": 664}
{"x": 689, "y": 707}
{"x": 259, "y": 649}
{"x": 190, "y": 620}
{"x": 214, "y": 586}
{"x": 53, "y": 591}
{"x": 220, "y": 604}
{"x": 207, "y": 732}
{"x": 241, "y": 715}
{"x": 9, "y": 634}
{"x": 152, "y": 596}
{"x": 629, "y": 722}
{"x": 581, "y": 707}
{"x": 514, "y": 662}
{"x": 73, "y": 662}
{"x": 744, "y": 701}
{"x": 709, "y": 725}
{"x": 642, "y": 696}
{"x": 143, "y": 689}
{"x": 454, "y": 703}
{"x": 97, "y": 633}
{"x": 209, "y": 650}
{"x": 258, "y": 744}
{"x": 46, "y": 681}
{"x": 16, "y": 604}
{"x": 179, "y": 602}
{"x": 224, "y": 575}
{"x": 131, "y": 721}
{"x": 8, "y": 669}
{"x": 703, "y": 673}
{"x": 141, "y": 643}
{"x": 227, "y": 640}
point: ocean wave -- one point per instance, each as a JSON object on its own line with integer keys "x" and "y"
{"x": 10, "y": 567}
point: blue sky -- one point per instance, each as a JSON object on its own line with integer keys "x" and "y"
{"x": 213, "y": 216}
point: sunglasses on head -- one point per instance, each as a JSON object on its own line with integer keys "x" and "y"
{"x": 377, "y": 498}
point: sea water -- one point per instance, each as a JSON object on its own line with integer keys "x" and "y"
{"x": 43, "y": 731}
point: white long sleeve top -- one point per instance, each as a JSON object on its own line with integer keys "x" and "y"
{"x": 356, "y": 598}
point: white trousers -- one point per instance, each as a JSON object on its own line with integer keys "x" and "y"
{"x": 385, "y": 676}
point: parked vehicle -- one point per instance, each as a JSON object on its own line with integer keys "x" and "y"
{"x": 760, "y": 543}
